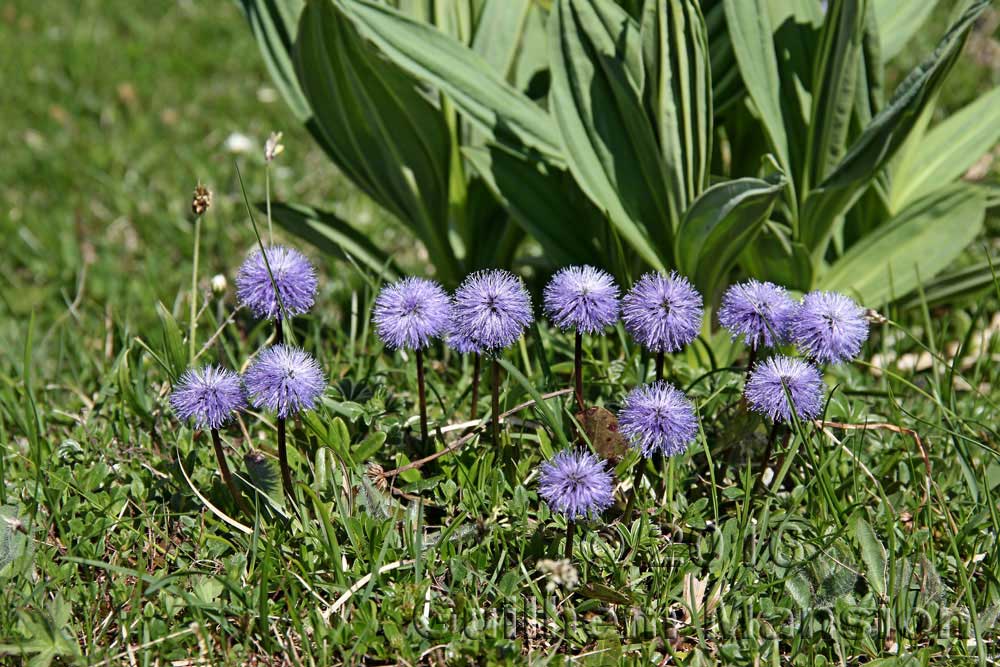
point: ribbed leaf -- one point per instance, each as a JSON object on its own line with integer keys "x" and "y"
{"x": 899, "y": 21}
{"x": 750, "y": 32}
{"x": 869, "y": 97}
{"x": 596, "y": 65}
{"x": 835, "y": 76}
{"x": 948, "y": 149}
{"x": 914, "y": 246}
{"x": 274, "y": 24}
{"x": 477, "y": 90}
{"x": 720, "y": 223}
{"x": 678, "y": 96}
{"x": 333, "y": 236}
{"x": 391, "y": 139}
{"x": 882, "y": 138}
{"x": 545, "y": 202}
{"x": 499, "y": 32}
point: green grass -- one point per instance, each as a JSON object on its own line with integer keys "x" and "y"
{"x": 112, "y": 547}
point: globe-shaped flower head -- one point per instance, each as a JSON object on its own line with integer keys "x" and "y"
{"x": 829, "y": 327}
{"x": 760, "y": 312}
{"x": 766, "y": 389}
{"x": 582, "y": 298}
{"x": 293, "y": 275}
{"x": 491, "y": 309}
{"x": 576, "y": 484}
{"x": 209, "y": 396}
{"x": 658, "y": 417}
{"x": 410, "y": 313}
{"x": 662, "y": 313}
{"x": 284, "y": 380}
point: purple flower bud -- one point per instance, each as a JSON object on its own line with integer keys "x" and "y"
{"x": 491, "y": 309}
{"x": 760, "y": 312}
{"x": 210, "y": 396}
{"x": 410, "y": 313}
{"x": 284, "y": 380}
{"x": 582, "y": 298}
{"x": 293, "y": 275}
{"x": 766, "y": 389}
{"x": 658, "y": 417}
{"x": 662, "y": 313}
{"x": 829, "y": 327}
{"x": 576, "y": 484}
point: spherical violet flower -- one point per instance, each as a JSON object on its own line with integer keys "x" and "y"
{"x": 462, "y": 344}
{"x": 662, "y": 313}
{"x": 491, "y": 308}
{"x": 760, "y": 312}
{"x": 582, "y": 298}
{"x": 766, "y": 390}
{"x": 293, "y": 274}
{"x": 284, "y": 380}
{"x": 829, "y": 327}
{"x": 210, "y": 396}
{"x": 658, "y": 417}
{"x": 576, "y": 484}
{"x": 411, "y": 312}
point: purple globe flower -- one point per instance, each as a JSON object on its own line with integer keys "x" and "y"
{"x": 760, "y": 312}
{"x": 284, "y": 380}
{"x": 210, "y": 396}
{"x": 491, "y": 309}
{"x": 412, "y": 312}
{"x": 662, "y": 313}
{"x": 293, "y": 274}
{"x": 582, "y": 298}
{"x": 829, "y": 327}
{"x": 462, "y": 344}
{"x": 576, "y": 484}
{"x": 766, "y": 389}
{"x": 658, "y": 417}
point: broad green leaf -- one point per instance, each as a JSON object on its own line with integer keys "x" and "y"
{"x": 391, "y": 139}
{"x": 948, "y": 149}
{"x": 775, "y": 257}
{"x": 480, "y": 94}
{"x": 835, "y": 76}
{"x": 954, "y": 286}
{"x": 595, "y": 59}
{"x": 274, "y": 24}
{"x": 719, "y": 224}
{"x": 898, "y": 21}
{"x": 499, "y": 32}
{"x": 873, "y": 554}
{"x": 754, "y": 48}
{"x": 882, "y": 138}
{"x": 915, "y": 245}
{"x": 334, "y": 237}
{"x": 678, "y": 96}
{"x": 545, "y": 201}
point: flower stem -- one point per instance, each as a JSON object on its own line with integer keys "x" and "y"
{"x": 193, "y": 324}
{"x": 279, "y": 333}
{"x": 422, "y": 394}
{"x": 234, "y": 490}
{"x": 578, "y": 369}
{"x": 751, "y": 360}
{"x": 477, "y": 368}
{"x": 495, "y": 417}
{"x": 659, "y": 365}
{"x": 267, "y": 198}
{"x": 286, "y": 471}
{"x": 570, "y": 529}
{"x": 640, "y": 469}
